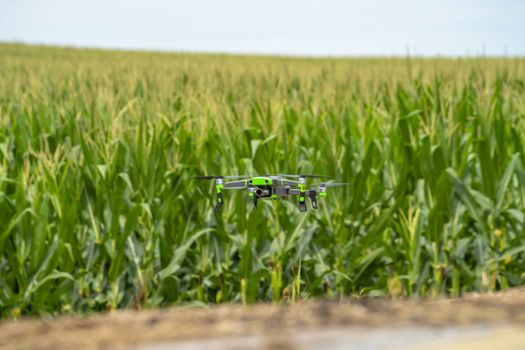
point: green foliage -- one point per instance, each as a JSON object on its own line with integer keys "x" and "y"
{"x": 98, "y": 209}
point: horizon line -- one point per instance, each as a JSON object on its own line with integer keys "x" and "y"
{"x": 240, "y": 53}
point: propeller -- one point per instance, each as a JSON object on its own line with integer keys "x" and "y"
{"x": 334, "y": 184}
{"x": 311, "y": 176}
{"x": 210, "y": 177}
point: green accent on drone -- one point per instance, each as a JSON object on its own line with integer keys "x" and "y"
{"x": 261, "y": 181}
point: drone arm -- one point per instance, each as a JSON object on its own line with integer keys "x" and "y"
{"x": 285, "y": 182}
{"x": 296, "y": 192}
{"x": 324, "y": 186}
{"x": 235, "y": 185}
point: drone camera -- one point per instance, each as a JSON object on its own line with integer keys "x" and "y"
{"x": 262, "y": 192}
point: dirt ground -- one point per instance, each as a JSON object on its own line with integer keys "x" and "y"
{"x": 481, "y": 321}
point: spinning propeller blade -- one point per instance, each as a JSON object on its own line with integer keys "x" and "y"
{"x": 210, "y": 177}
{"x": 311, "y": 176}
{"x": 334, "y": 184}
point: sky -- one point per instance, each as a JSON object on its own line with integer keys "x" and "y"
{"x": 285, "y": 27}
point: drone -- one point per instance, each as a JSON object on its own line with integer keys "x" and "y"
{"x": 271, "y": 186}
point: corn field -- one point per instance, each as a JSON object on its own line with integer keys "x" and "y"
{"x": 98, "y": 208}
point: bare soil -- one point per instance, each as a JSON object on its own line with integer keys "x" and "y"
{"x": 276, "y": 326}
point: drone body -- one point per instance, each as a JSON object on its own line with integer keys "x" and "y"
{"x": 272, "y": 186}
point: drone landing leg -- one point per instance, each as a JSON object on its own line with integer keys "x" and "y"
{"x": 254, "y": 202}
{"x": 302, "y": 195}
{"x": 313, "y": 199}
{"x": 302, "y": 203}
{"x": 219, "y": 203}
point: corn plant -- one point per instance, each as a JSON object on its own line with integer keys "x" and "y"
{"x": 98, "y": 209}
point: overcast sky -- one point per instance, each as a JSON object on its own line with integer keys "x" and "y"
{"x": 307, "y": 27}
